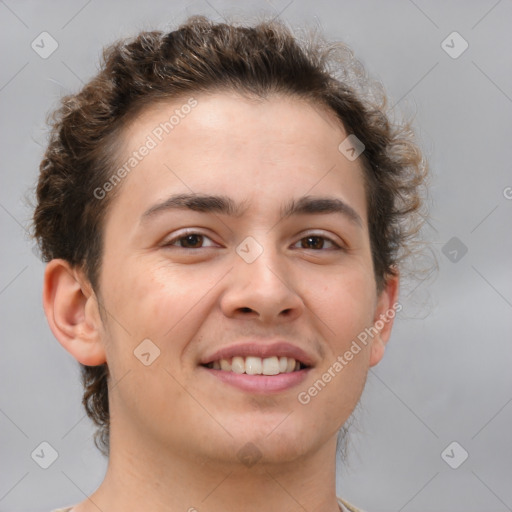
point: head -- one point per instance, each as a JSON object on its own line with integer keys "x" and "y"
{"x": 205, "y": 189}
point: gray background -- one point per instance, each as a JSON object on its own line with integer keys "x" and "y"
{"x": 446, "y": 375}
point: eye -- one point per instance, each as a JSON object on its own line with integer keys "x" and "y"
{"x": 189, "y": 240}
{"x": 317, "y": 242}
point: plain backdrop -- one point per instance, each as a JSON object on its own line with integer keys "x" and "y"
{"x": 446, "y": 374}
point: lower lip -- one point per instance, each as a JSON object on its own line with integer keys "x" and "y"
{"x": 260, "y": 383}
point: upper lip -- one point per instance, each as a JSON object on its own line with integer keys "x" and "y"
{"x": 261, "y": 349}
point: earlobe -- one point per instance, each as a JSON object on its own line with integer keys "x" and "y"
{"x": 385, "y": 312}
{"x": 72, "y": 312}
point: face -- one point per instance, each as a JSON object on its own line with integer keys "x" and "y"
{"x": 238, "y": 245}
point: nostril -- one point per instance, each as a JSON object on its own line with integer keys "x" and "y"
{"x": 246, "y": 310}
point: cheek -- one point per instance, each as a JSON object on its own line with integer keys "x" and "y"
{"x": 157, "y": 302}
{"x": 344, "y": 304}
{"x": 152, "y": 319}
{"x": 344, "y": 301}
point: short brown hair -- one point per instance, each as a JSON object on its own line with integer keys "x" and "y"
{"x": 203, "y": 56}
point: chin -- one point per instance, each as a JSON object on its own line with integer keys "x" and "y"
{"x": 261, "y": 445}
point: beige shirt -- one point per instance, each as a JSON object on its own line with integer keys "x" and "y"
{"x": 344, "y": 507}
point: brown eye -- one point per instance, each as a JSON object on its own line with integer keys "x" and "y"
{"x": 191, "y": 241}
{"x": 316, "y": 242}
{"x": 312, "y": 242}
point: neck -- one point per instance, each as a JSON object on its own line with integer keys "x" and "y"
{"x": 142, "y": 477}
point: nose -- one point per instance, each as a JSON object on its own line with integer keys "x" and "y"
{"x": 263, "y": 289}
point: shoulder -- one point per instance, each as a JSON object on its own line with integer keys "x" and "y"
{"x": 347, "y": 507}
{"x": 65, "y": 509}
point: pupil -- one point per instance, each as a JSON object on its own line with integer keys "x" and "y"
{"x": 192, "y": 240}
{"x": 310, "y": 240}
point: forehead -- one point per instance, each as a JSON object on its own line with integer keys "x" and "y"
{"x": 230, "y": 119}
{"x": 243, "y": 147}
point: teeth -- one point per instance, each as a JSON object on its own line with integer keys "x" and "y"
{"x": 238, "y": 365}
{"x": 271, "y": 366}
{"x": 225, "y": 365}
{"x": 257, "y": 366}
{"x": 253, "y": 365}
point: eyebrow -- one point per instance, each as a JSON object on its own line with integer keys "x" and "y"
{"x": 306, "y": 205}
{"x": 198, "y": 203}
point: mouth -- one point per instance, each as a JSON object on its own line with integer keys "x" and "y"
{"x": 252, "y": 365}
{"x": 258, "y": 367}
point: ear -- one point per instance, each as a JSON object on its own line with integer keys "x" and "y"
{"x": 72, "y": 312}
{"x": 385, "y": 312}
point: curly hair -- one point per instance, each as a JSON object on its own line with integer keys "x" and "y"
{"x": 203, "y": 56}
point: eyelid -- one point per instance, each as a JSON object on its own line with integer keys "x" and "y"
{"x": 169, "y": 242}
{"x": 338, "y": 242}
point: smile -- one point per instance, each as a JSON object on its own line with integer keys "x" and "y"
{"x": 251, "y": 365}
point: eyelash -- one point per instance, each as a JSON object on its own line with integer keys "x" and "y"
{"x": 173, "y": 241}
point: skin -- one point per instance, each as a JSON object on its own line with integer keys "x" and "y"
{"x": 176, "y": 431}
